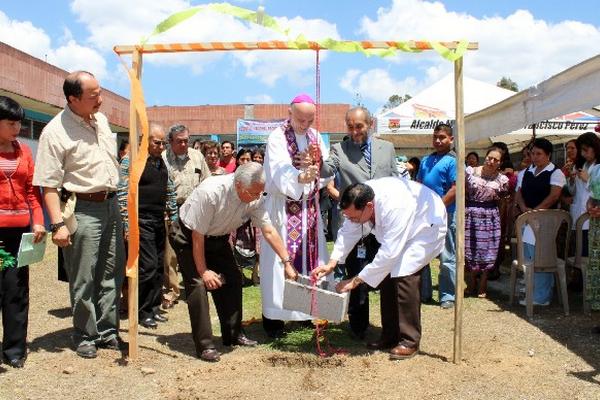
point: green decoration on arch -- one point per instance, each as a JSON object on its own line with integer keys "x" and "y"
{"x": 301, "y": 42}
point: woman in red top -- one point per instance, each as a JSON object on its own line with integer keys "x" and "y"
{"x": 20, "y": 212}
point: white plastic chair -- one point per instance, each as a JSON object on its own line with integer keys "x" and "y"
{"x": 545, "y": 225}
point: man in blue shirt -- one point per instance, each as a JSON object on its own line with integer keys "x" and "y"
{"x": 438, "y": 172}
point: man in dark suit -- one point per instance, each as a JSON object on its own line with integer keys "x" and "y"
{"x": 357, "y": 160}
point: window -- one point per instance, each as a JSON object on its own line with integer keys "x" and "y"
{"x": 25, "y": 129}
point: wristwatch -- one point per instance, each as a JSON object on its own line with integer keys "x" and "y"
{"x": 57, "y": 226}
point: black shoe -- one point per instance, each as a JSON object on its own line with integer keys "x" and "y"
{"x": 276, "y": 333}
{"x": 87, "y": 350}
{"x": 210, "y": 355}
{"x": 16, "y": 362}
{"x": 149, "y": 323}
{"x": 381, "y": 344}
{"x": 243, "y": 340}
{"x": 115, "y": 343}
{"x": 160, "y": 318}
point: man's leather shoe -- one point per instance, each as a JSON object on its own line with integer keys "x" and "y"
{"x": 16, "y": 362}
{"x": 210, "y": 355}
{"x": 381, "y": 345}
{"x": 87, "y": 350}
{"x": 401, "y": 352}
{"x": 115, "y": 343}
{"x": 160, "y": 318}
{"x": 149, "y": 323}
{"x": 243, "y": 340}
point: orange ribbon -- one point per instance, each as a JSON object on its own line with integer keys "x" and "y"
{"x": 136, "y": 169}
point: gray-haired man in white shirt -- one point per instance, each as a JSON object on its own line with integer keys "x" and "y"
{"x": 218, "y": 206}
{"x": 409, "y": 220}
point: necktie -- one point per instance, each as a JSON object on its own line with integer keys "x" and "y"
{"x": 366, "y": 153}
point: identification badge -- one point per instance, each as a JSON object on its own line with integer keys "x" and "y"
{"x": 361, "y": 251}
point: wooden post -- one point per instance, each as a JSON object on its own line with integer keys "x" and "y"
{"x": 459, "y": 137}
{"x": 132, "y": 287}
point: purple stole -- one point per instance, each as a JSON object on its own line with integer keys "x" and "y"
{"x": 293, "y": 209}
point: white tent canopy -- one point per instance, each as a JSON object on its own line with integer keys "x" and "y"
{"x": 418, "y": 116}
{"x": 436, "y": 104}
{"x": 577, "y": 88}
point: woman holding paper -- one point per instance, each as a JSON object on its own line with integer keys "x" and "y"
{"x": 20, "y": 212}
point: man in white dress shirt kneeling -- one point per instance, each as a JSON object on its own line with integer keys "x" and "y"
{"x": 409, "y": 220}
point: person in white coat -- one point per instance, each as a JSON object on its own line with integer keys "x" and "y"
{"x": 409, "y": 220}
{"x": 292, "y": 168}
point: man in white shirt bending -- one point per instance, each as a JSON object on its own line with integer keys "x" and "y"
{"x": 409, "y": 220}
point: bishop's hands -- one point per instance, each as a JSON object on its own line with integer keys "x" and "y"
{"x": 305, "y": 158}
{"x": 307, "y": 161}
{"x": 289, "y": 271}
{"x": 309, "y": 175}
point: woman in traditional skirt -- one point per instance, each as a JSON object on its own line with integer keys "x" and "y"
{"x": 485, "y": 185}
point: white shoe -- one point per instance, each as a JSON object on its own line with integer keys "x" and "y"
{"x": 522, "y": 302}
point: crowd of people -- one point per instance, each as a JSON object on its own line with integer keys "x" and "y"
{"x": 206, "y": 209}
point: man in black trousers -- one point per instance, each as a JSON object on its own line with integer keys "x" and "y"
{"x": 218, "y": 206}
{"x": 156, "y": 196}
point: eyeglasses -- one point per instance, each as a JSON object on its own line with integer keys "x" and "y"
{"x": 255, "y": 195}
{"x": 159, "y": 142}
{"x": 182, "y": 141}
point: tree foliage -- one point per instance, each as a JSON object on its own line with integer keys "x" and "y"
{"x": 395, "y": 100}
{"x": 507, "y": 83}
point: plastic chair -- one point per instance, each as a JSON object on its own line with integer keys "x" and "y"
{"x": 545, "y": 225}
{"x": 579, "y": 261}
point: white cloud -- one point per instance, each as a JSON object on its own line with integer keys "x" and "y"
{"x": 376, "y": 84}
{"x": 73, "y": 56}
{"x": 297, "y": 66}
{"x": 113, "y": 22}
{"x": 70, "y": 56}
{"x": 259, "y": 99}
{"x": 526, "y": 49}
{"x": 24, "y": 36}
{"x": 137, "y": 18}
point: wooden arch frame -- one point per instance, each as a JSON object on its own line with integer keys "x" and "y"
{"x": 137, "y": 52}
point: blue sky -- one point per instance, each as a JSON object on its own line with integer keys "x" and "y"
{"x": 528, "y": 41}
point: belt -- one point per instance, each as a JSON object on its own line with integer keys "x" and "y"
{"x": 97, "y": 196}
{"x": 222, "y": 237}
